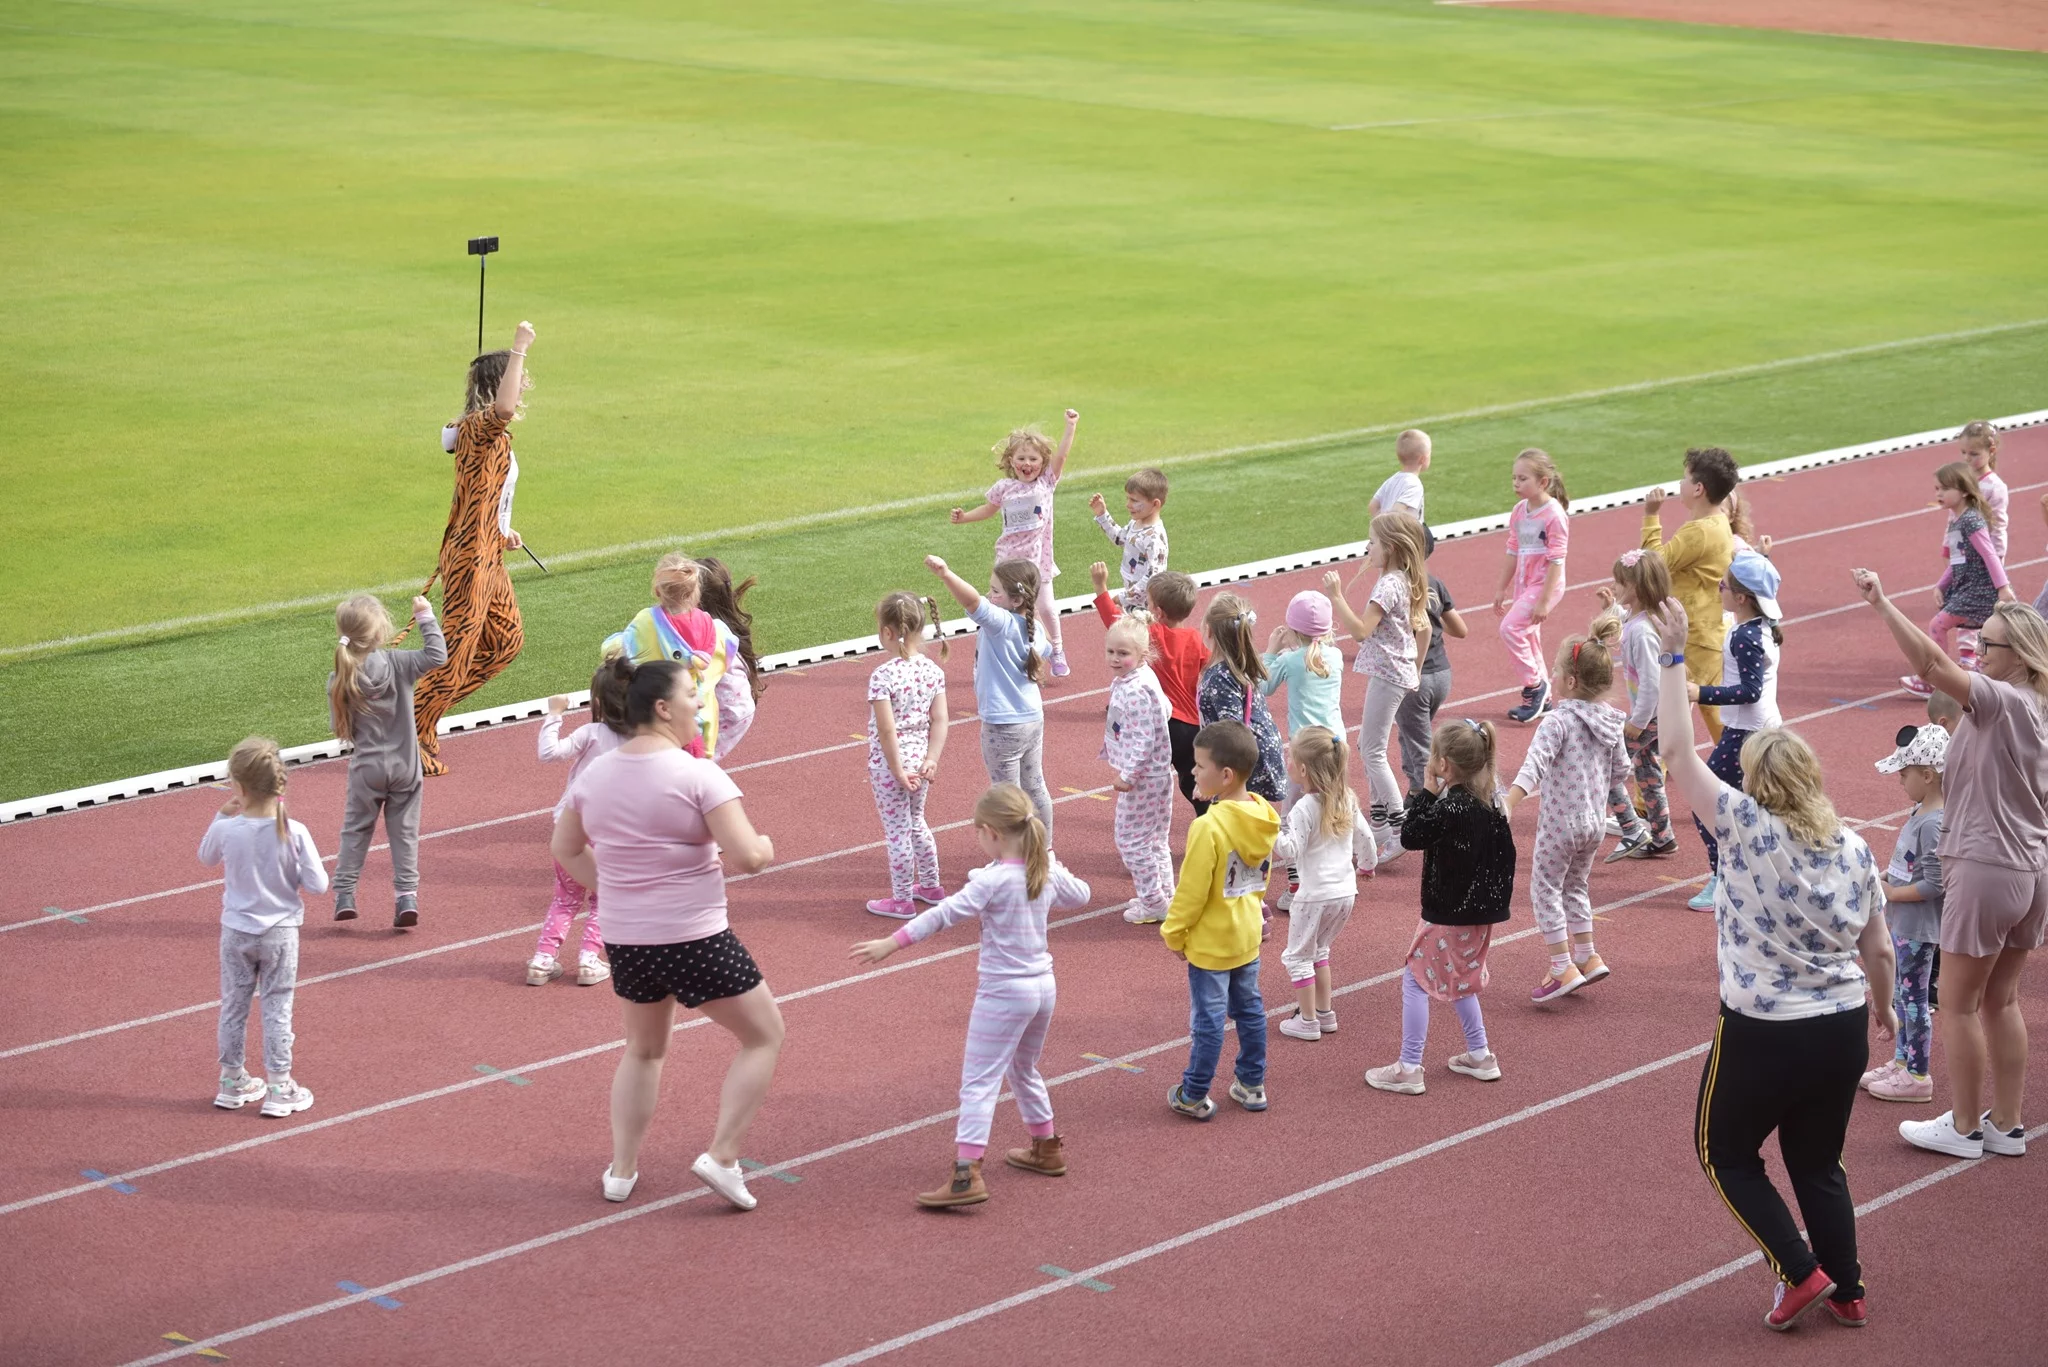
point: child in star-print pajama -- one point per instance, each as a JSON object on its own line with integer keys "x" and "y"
{"x": 906, "y": 734}
{"x": 1574, "y": 759}
{"x": 1143, "y": 538}
{"x": 1138, "y": 746}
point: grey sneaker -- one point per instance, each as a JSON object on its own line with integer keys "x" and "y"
{"x": 235, "y": 1093}
{"x": 1198, "y": 1110}
{"x": 1637, "y": 848}
{"x": 345, "y": 905}
{"x": 407, "y": 913}
{"x": 1251, "y": 1098}
{"x": 285, "y": 1098}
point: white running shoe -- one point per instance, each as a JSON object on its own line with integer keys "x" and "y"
{"x": 1387, "y": 843}
{"x": 1395, "y": 1078}
{"x": 542, "y": 969}
{"x": 591, "y": 970}
{"x": 1299, "y": 1026}
{"x": 1940, "y": 1135}
{"x": 2011, "y": 1143}
{"x": 1138, "y": 914}
{"x": 286, "y": 1097}
{"x": 731, "y": 1183}
{"x": 1328, "y": 1020}
{"x": 618, "y": 1188}
{"x": 235, "y": 1093}
{"x": 1485, "y": 1067}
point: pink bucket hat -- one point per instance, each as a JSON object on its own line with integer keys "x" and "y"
{"x": 1308, "y": 614}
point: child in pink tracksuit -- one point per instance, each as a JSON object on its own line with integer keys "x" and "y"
{"x": 906, "y": 735}
{"x": 1575, "y": 760}
{"x": 1137, "y": 744}
{"x": 595, "y": 737}
{"x": 1533, "y": 579}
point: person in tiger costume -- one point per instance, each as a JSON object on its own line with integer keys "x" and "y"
{"x": 479, "y": 614}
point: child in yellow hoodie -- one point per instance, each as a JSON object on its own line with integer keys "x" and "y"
{"x": 1215, "y": 919}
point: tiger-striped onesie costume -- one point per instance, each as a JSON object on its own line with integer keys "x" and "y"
{"x": 479, "y": 613}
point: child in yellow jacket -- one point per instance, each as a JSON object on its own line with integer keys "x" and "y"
{"x": 1698, "y": 555}
{"x": 1215, "y": 918}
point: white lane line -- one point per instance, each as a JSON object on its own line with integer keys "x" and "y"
{"x": 1198, "y": 457}
{"x": 1731, "y": 1267}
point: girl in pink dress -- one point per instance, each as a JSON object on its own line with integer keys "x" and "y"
{"x": 1023, "y": 498}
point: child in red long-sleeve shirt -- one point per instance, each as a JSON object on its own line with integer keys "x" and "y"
{"x": 1180, "y": 655}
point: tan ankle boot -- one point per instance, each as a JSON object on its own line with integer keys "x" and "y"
{"x": 1044, "y": 1156}
{"x": 965, "y": 1189}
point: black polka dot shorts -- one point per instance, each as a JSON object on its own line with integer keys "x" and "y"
{"x": 694, "y": 972}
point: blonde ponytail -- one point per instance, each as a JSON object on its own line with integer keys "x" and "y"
{"x": 363, "y": 627}
{"x": 1005, "y": 810}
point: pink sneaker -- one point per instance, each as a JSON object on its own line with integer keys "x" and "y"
{"x": 1916, "y": 685}
{"x": 1880, "y": 1072}
{"x": 893, "y": 909}
{"x": 1903, "y": 1086}
{"x": 1059, "y": 663}
{"x": 1553, "y": 987}
{"x": 932, "y": 895}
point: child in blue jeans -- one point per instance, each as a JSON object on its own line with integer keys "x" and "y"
{"x": 1216, "y": 916}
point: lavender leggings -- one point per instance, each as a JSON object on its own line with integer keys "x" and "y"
{"x": 1415, "y": 1021}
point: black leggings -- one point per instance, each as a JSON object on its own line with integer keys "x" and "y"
{"x": 1799, "y": 1078}
{"x": 1182, "y": 734}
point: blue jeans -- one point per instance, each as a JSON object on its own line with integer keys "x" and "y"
{"x": 1211, "y": 996}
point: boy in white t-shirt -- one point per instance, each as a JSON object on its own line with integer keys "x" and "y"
{"x": 1403, "y": 488}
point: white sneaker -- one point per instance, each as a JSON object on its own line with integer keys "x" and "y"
{"x": 1301, "y": 1027}
{"x": 285, "y": 1098}
{"x": 2011, "y": 1143}
{"x": 1940, "y": 1135}
{"x": 1395, "y": 1078}
{"x": 1328, "y": 1020}
{"x": 1138, "y": 914}
{"x": 542, "y": 969}
{"x": 1614, "y": 830}
{"x": 235, "y": 1093}
{"x": 618, "y": 1188}
{"x": 731, "y": 1183}
{"x": 591, "y": 970}
{"x": 1285, "y": 901}
{"x": 1485, "y": 1067}
{"x": 1387, "y": 842}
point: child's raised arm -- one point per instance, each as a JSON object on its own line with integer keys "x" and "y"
{"x": 1100, "y": 508}
{"x": 964, "y": 593}
{"x": 1689, "y": 773}
{"x": 1359, "y": 627}
{"x": 1059, "y": 457}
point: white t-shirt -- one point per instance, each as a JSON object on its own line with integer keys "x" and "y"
{"x": 1403, "y": 488}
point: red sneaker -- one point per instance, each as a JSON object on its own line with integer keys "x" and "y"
{"x": 1794, "y": 1301}
{"x": 1854, "y": 1313}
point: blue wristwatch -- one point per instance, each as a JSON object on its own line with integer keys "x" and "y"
{"x": 1667, "y": 659}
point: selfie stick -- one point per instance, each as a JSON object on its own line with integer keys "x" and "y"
{"x": 481, "y": 248}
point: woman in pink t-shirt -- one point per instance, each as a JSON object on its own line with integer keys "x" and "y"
{"x": 646, "y": 826}
{"x": 1994, "y": 867}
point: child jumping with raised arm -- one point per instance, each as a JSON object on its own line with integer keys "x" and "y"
{"x": 1747, "y": 696}
{"x": 1696, "y": 557}
{"x": 369, "y": 699}
{"x": 601, "y": 735}
{"x": 1532, "y": 580}
{"x": 267, "y": 861}
{"x": 740, "y": 688}
{"x": 1403, "y": 488}
{"x": 1575, "y": 759}
{"x": 1979, "y": 444}
{"x": 1468, "y": 884}
{"x": 1973, "y": 581}
{"x": 1640, "y": 583}
{"x": 906, "y": 736}
{"x": 1178, "y": 656}
{"x": 1143, "y": 539}
{"x": 1316, "y": 840}
{"x": 1415, "y": 718}
{"x": 1392, "y": 634}
{"x": 1913, "y": 894}
{"x": 1023, "y": 496}
{"x": 1229, "y": 690}
{"x": 1011, "y": 897}
{"x": 1139, "y": 749}
{"x": 1008, "y": 666}
{"x": 1217, "y": 916}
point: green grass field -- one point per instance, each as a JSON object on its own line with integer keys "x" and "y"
{"x": 817, "y": 256}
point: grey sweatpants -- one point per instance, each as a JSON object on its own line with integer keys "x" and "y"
{"x": 368, "y": 794}
{"x": 1015, "y": 753}
{"x": 251, "y": 964}
{"x": 1416, "y": 720}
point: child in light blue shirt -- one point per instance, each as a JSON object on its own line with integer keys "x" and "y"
{"x": 1009, "y": 662}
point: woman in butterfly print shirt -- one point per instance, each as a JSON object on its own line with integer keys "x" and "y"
{"x": 1806, "y": 964}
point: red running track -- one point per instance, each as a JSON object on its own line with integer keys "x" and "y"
{"x": 1478, "y": 1224}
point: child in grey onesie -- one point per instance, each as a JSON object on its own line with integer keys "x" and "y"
{"x": 369, "y": 695}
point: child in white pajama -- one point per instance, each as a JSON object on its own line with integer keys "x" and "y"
{"x": 1138, "y": 746}
{"x": 587, "y": 742}
{"x": 1142, "y": 539}
{"x": 1576, "y": 757}
{"x": 1316, "y": 839}
{"x": 1012, "y": 897}
{"x": 906, "y": 735}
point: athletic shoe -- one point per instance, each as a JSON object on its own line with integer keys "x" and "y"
{"x": 1793, "y": 1301}
{"x": 591, "y": 970}
{"x": 1882, "y": 1070}
{"x": 618, "y": 1188}
{"x": 2011, "y": 1143}
{"x": 1704, "y": 899}
{"x": 964, "y": 1188}
{"x": 1251, "y": 1098}
{"x": 1485, "y": 1067}
{"x": 406, "y": 914}
{"x": 542, "y": 969}
{"x": 1138, "y": 914}
{"x": 1553, "y": 987}
{"x": 1916, "y": 685}
{"x": 1638, "y": 848}
{"x": 730, "y": 1182}
{"x": 285, "y": 1098}
{"x": 1387, "y": 841}
{"x": 1395, "y": 1078}
{"x": 933, "y": 895}
{"x": 1198, "y": 1110}
{"x": 345, "y": 905}
{"x": 1940, "y": 1135}
{"x": 237, "y": 1092}
{"x": 1657, "y": 849}
{"x": 1852, "y": 1314}
{"x": 1328, "y": 1020}
{"x": 1059, "y": 663}
{"x": 1614, "y": 830}
{"x": 1299, "y": 1026}
{"x": 1535, "y": 702}
{"x": 1285, "y": 901}
{"x": 893, "y": 909}
{"x": 1593, "y": 970}
{"x": 1903, "y": 1086}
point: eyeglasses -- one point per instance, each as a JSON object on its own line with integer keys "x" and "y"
{"x": 1984, "y": 644}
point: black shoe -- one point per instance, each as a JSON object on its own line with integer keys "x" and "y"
{"x": 1535, "y": 702}
{"x": 345, "y": 906}
{"x": 408, "y": 913}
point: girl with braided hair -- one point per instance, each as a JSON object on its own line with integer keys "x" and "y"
{"x": 1010, "y": 661}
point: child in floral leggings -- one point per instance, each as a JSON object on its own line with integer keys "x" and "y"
{"x": 906, "y": 735}
{"x": 1912, "y": 890}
